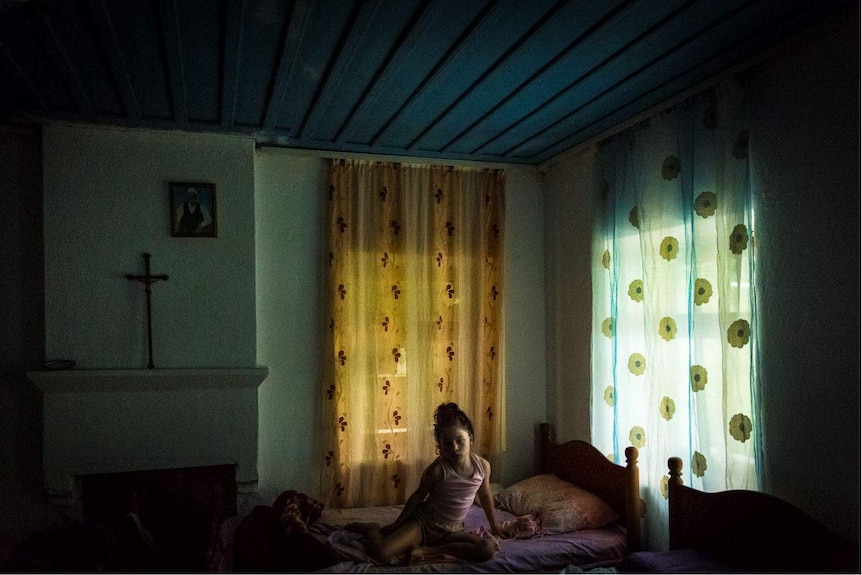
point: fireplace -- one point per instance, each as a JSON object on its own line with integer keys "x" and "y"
{"x": 122, "y": 421}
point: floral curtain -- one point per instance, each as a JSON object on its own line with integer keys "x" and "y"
{"x": 415, "y": 288}
{"x": 673, "y": 323}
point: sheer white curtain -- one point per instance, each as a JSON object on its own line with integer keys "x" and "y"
{"x": 673, "y": 306}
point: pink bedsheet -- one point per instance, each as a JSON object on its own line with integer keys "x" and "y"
{"x": 585, "y": 549}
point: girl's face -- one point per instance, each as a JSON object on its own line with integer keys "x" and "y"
{"x": 454, "y": 443}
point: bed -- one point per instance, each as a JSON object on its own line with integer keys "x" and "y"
{"x": 543, "y": 543}
{"x": 741, "y": 531}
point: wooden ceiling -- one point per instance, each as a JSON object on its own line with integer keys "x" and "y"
{"x": 511, "y": 81}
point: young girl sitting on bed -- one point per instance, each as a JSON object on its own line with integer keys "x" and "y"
{"x": 432, "y": 521}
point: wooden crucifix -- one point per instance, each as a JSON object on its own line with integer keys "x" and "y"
{"x": 148, "y": 279}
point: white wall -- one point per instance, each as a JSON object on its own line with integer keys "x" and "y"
{"x": 290, "y": 211}
{"x": 251, "y": 296}
{"x": 290, "y": 197}
{"x": 106, "y": 203}
{"x": 568, "y": 211}
{"x": 805, "y": 175}
{"x": 524, "y": 319}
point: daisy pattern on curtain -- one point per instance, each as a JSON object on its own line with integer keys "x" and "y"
{"x": 414, "y": 280}
{"x": 673, "y": 308}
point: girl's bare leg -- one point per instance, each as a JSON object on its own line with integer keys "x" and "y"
{"x": 360, "y": 527}
{"x": 383, "y": 548}
{"x": 461, "y": 545}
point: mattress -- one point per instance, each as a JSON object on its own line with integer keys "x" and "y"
{"x": 586, "y": 549}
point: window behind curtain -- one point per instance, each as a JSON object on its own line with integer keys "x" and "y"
{"x": 414, "y": 294}
{"x": 673, "y": 324}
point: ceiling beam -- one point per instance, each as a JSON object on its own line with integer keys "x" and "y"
{"x": 297, "y": 26}
{"x": 233, "y": 23}
{"x": 61, "y": 61}
{"x": 360, "y": 22}
{"x": 454, "y": 49}
{"x": 174, "y": 59}
{"x": 25, "y": 79}
{"x": 107, "y": 37}
{"x": 532, "y": 32}
{"x": 415, "y": 28}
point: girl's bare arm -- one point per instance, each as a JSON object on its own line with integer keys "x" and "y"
{"x": 487, "y": 501}
{"x": 432, "y": 474}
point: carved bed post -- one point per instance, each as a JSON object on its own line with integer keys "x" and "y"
{"x": 633, "y": 501}
{"x": 674, "y": 465}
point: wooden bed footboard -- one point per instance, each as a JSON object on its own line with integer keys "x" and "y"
{"x": 753, "y": 529}
{"x": 581, "y": 464}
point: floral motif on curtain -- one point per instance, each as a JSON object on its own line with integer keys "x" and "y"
{"x": 673, "y": 351}
{"x": 415, "y": 288}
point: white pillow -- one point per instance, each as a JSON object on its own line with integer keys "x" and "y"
{"x": 558, "y": 505}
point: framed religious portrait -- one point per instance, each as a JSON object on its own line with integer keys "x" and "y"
{"x": 193, "y": 210}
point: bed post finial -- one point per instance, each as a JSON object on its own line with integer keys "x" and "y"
{"x": 633, "y": 501}
{"x": 674, "y": 466}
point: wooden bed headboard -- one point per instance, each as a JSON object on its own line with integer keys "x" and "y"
{"x": 756, "y": 530}
{"x": 583, "y": 465}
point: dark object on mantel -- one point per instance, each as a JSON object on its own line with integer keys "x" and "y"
{"x": 58, "y": 364}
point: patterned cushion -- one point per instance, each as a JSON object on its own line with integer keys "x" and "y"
{"x": 558, "y": 505}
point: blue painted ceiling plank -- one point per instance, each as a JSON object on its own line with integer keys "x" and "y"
{"x": 335, "y": 56}
{"x": 606, "y": 41}
{"x": 201, "y": 36}
{"x": 21, "y": 72}
{"x": 364, "y": 53}
{"x": 613, "y": 90}
{"x": 496, "y": 32}
{"x": 297, "y": 30}
{"x": 263, "y": 38}
{"x": 63, "y": 65}
{"x": 232, "y": 23}
{"x": 657, "y": 41}
{"x": 174, "y": 59}
{"x": 723, "y": 46}
{"x": 138, "y": 36}
{"x": 533, "y": 31}
{"x": 444, "y": 25}
{"x": 560, "y": 34}
{"x": 107, "y": 37}
{"x": 452, "y": 50}
{"x": 315, "y": 46}
{"x": 75, "y": 33}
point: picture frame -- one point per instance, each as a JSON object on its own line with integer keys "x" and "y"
{"x": 190, "y": 218}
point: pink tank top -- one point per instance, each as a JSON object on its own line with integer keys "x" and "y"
{"x": 450, "y": 499}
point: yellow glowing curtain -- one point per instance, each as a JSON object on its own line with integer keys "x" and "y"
{"x": 415, "y": 288}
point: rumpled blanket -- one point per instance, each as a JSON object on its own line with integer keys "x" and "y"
{"x": 352, "y": 547}
{"x": 276, "y": 538}
{"x": 522, "y": 527}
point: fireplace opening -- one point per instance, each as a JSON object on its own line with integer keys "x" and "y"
{"x": 160, "y": 520}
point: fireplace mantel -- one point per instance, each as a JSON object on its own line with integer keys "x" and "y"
{"x": 99, "y": 421}
{"x": 86, "y": 380}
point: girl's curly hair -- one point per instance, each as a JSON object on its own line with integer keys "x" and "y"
{"x": 448, "y": 414}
